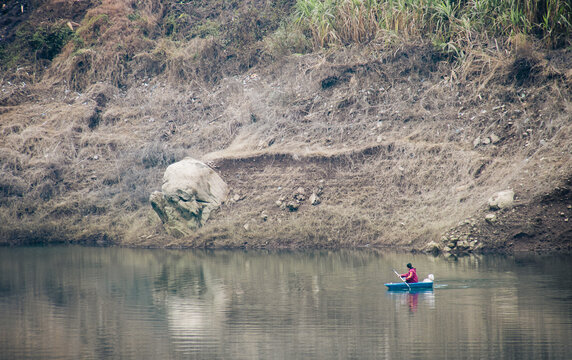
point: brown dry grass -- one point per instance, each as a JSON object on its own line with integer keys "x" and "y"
{"x": 110, "y": 34}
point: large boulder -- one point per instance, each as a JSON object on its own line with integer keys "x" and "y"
{"x": 191, "y": 191}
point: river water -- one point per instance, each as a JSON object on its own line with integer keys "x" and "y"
{"x": 101, "y": 303}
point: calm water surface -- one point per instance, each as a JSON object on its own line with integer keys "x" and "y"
{"x": 101, "y": 303}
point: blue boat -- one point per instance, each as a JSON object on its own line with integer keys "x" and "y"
{"x": 410, "y": 286}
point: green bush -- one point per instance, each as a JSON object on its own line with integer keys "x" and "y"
{"x": 43, "y": 42}
{"x": 48, "y": 40}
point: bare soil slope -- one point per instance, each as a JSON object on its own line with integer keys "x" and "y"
{"x": 371, "y": 145}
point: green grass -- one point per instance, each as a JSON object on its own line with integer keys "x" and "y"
{"x": 452, "y": 25}
{"x": 43, "y": 42}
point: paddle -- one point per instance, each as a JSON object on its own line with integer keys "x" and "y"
{"x": 399, "y": 276}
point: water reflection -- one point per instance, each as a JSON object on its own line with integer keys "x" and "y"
{"x": 93, "y": 303}
{"x": 411, "y": 299}
{"x": 195, "y": 303}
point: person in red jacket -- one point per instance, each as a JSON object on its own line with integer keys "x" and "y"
{"x": 411, "y": 275}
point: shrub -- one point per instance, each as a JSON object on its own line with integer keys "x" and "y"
{"x": 30, "y": 44}
{"x": 48, "y": 40}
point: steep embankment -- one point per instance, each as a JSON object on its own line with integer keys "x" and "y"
{"x": 363, "y": 145}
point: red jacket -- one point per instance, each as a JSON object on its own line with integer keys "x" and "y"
{"x": 411, "y": 276}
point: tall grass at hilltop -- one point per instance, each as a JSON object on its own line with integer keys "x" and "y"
{"x": 453, "y": 26}
{"x": 123, "y": 41}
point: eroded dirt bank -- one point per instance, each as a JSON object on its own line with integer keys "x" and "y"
{"x": 359, "y": 146}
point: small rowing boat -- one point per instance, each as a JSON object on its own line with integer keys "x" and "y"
{"x": 410, "y": 286}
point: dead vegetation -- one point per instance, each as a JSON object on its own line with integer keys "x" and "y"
{"x": 401, "y": 143}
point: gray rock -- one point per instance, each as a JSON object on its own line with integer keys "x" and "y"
{"x": 299, "y": 194}
{"x": 314, "y": 199}
{"x": 501, "y": 200}
{"x": 491, "y": 218}
{"x": 191, "y": 191}
{"x": 463, "y": 245}
{"x": 432, "y": 247}
{"x": 293, "y": 206}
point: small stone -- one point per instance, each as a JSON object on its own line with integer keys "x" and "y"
{"x": 314, "y": 199}
{"x": 300, "y": 194}
{"x": 432, "y": 247}
{"x": 463, "y": 245}
{"x": 501, "y": 200}
{"x": 491, "y": 218}
{"x": 452, "y": 243}
{"x": 293, "y": 206}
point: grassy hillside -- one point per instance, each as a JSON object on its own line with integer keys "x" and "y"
{"x": 403, "y": 117}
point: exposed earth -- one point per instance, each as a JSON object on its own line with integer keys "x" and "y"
{"x": 371, "y": 145}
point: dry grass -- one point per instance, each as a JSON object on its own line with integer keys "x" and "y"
{"x": 109, "y": 36}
